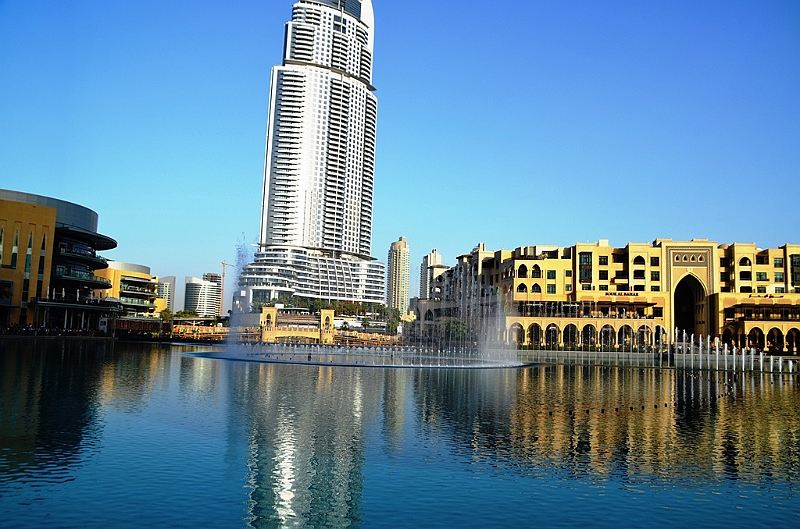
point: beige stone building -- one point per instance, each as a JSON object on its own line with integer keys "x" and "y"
{"x": 596, "y": 295}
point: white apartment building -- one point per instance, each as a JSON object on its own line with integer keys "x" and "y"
{"x": 319, "y": 164}
{"x": 202, "y": 296}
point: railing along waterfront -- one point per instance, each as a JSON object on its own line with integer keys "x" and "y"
{"x": 676, "y": 357}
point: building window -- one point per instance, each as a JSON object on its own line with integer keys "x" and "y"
{"x": 761, "y": 290}
{"x": 585, "y": 275}
{"x": 761, "y": 276}
{"x": 658, "y": 312}
{"x": 568, "y": 287}
{"x": 618, "y": 258}
{"x": 602, "y": 260}
{"x": 568, "y": 273}
{"x": 603, "y": 275}
{"x": 15, "y": 250}
{"x": 779, "y": 262}
{"x": 551, "y": 289}
{"x": 655, "y": 288}
{"x": 536, "y": 273}
{"x": 622, "y": 288}
{"x": 586, "y": 287}
{"x": 655, "y": 275}
{"x": 536, "y": 289}
{"x": 654, "y": 261}
{"x": 745, "y": 276}
{"x": 585, "y": 258}
{"x": 638, "y": 274}
{"x": 638, "y": 288}
{"x": 779, "y": 277}
{"x": 725, "y": 276}
{"x": 730, "y": 314}
{"x": 746, "y": 290}
{"x": 762, "y": 259}
{"x": 639, "y": 260}
{"x": 604, "y": 288}
{"x": 551, "y": 274}
{"x": 621, "y": 274}
{"x": 724, "y": 262}
{"x": 780, "y": 290}
{"x": 744, "y": 261}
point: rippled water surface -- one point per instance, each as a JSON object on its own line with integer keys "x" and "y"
{"x": 96, "y": 434}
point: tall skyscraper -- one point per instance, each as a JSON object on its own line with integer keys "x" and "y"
{"x": 319, "y": 164}
{"x": 202, "y": 296}
{"x": 216, "y": 279}
{"x": 399, "y": 264}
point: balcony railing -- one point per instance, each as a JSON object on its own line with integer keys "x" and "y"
{"x": 82, "y": 253}
{"x": 81, "y": 275}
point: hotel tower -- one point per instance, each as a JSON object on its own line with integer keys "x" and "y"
{"x": 319, "y": 164}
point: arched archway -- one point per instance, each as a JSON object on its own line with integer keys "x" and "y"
{"x": 661, "y": 336}
{"x": 625, "y": 336}
{"x": 643, "y": 335}
{"x": 535, "y": 334}
{"x": 607, "y": 336}
{"x": 775, "y": 340}
{"x": 516, "y": 334}
{"x": 536, "y": 289}
{"x": 429, "y": 315}
{"x": 792, "y": 341}
{"x": 269, "y": 321}
{"x": 551, "y": 335}
{"x": 589, "y": 336}
{"x": 727, "y": 337}
{"x": 522, "y": 289}
{"x": 522, "y": 271}
{"x": 571, "y": 335}
{"x": 755, "y": 338}
{"x": 689, "y": 306}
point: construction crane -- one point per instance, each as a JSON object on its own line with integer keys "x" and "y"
{"x": 222, "y": 291}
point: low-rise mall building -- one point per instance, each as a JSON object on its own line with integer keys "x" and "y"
{"x": 593, "y": 294}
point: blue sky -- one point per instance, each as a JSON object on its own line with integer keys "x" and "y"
{"x": 508, "y": 124}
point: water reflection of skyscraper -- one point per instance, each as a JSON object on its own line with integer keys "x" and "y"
{"x": 305, "y": 432}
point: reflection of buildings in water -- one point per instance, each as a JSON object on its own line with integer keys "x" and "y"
{"x": 394, "y": 403}
{"x": 48, "y": 411}
{"x": 673, "y": 424}
{"x": 471, "y": 402}
{"x": 199, "y": 380}
{"x": 137, "y": 368}
{"x": 630, "y": 423}
{"x": 305, "y": 427}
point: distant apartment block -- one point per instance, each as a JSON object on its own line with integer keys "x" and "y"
{"x": 398, "y": 263}
{"x": 202, "y": 296}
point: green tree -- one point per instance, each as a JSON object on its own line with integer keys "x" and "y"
{"x": 167, "y": 315}
{"x": 455, "y": 329}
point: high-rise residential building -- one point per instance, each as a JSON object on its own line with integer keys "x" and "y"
{"x": 398, "y": 263}
{"x": 166, "y": 291}
{"x": 216, "y": 278}
{"x": 319, "y": 165}
{"x": 431, "y": 263}
{"x": 202, "y": 296}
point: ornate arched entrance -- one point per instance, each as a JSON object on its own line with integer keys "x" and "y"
{"x": 688, "y": 306}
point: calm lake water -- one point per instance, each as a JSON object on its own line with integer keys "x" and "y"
{"x": 97, "y": 434}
